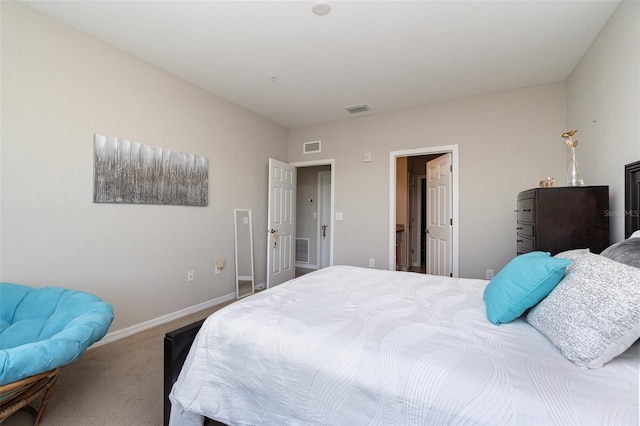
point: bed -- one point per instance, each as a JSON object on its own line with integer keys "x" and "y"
{"x": 349, "y": 345}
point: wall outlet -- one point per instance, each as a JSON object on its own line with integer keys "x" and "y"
{"x": 489, "y": 274}
{"x": 219, "y": 266}
{"x": 372, "y": 263}
{"x": 190, "y": 276}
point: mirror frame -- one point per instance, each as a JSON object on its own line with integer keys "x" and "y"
{"x": 239, "y": 253}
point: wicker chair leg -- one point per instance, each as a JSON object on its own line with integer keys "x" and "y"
{"x": 21, "y": 393}
{"x": 45, "y": 400}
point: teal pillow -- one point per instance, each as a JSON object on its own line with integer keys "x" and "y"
{"x": 524, "y": 282}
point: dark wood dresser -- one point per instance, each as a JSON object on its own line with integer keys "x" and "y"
{"x": 563, "y": 218}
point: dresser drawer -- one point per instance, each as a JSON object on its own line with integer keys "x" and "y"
{"x": 524, "y": 230}
{"x": 525, "y": 245}
{"x": 525, "y": 210}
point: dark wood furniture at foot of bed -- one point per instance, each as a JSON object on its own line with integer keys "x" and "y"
{"x": 176, "y": 347}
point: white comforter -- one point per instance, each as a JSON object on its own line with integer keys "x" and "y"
{"x": 356, "y": 346}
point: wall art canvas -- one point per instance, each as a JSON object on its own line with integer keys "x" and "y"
{"x": 130, "y": 172}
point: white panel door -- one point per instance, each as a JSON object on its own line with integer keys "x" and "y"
{"x": 281, "y": 223}
{"x": 439, "y": 226}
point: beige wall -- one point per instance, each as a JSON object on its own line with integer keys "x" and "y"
{"x": 508, "y": 142}
{"x": 59, "y": 87}
{"x": 604, "y": 106}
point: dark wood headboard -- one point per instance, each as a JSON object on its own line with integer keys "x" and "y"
{"x": 632, "y": 198}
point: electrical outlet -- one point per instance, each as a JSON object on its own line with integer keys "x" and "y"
{"x": 219, "y": 266}
{"x": 190, "y": 276}
{"x": 372, "y": 263}
{"x": 489, "y": 274}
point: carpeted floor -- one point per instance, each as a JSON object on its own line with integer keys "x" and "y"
{"x": 120, "y": 383}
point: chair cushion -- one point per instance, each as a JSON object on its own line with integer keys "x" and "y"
{"x": 45, "y": 328}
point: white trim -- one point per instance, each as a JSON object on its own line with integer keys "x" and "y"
{"x": 307, "y": 266}
{"x": 129, "y": 331}
{"x": 455, "y": 246}
{"x": 328, "y": 162}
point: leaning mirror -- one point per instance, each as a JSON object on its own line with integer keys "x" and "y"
{"x": 244, "y": 253}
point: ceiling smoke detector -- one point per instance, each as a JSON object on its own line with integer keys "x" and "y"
{"x": 321, "y": 8}
{"x": 357, "y": 108}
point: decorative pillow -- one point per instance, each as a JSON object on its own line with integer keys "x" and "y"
{"x": 627, "y": 252}
{"x": 573, "y": 254}
{"x": 525, "y": 281}
{"x": 593, "y": 315}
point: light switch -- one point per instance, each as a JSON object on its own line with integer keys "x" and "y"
{"x": 339, "y": 216}
{"x": 367, "y": 157}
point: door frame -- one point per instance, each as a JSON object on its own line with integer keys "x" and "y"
{"x": 332, "y": 163}
{"x": 322, "y": 209}
{"x": 455, "y": 231}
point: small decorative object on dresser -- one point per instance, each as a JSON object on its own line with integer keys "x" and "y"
{"x": 564, "y": 218}
{"x": 573, "y": 172}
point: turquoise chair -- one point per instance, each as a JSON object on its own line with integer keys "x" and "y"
{"x": 41, "y": 330}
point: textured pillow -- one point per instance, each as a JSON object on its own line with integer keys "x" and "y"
{"x": 593, "y": 315}
{"x": 525, "y": 281}
{"x": 573, "y": 254}
{"x": 627, "y": 252}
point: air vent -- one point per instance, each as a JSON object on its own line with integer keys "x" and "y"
{"x": 357, "y": 108}
{"x": 302, "y": 250}
{"x": 311, "y": 147}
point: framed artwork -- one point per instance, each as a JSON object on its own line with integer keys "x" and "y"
{"x": 133, "y": 173}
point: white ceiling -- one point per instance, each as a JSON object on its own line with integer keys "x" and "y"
{"x": 387, "y": 54}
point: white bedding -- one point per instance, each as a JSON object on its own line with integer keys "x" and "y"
{"x": 357, "y": 346}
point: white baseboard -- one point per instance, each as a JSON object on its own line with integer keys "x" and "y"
{"x": 306, "y": 266}
{"x": 126, "y": 332}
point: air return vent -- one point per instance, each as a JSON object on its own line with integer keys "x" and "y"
{"x": 311, "y": 147}
{"x": 357, "y": 108}
{"x": 302, "y": 250}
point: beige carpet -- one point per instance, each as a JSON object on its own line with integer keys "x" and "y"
{"x": 120, "y": 383}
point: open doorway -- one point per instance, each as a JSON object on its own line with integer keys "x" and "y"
{"x": 409, "y": 238}
{"x": 314, "y": 216}
{"x": 415, "y": 217}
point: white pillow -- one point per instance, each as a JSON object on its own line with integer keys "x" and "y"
{"x": 593, "y": 315}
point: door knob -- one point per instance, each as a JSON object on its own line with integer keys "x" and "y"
{"x": 274, "y": 235}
